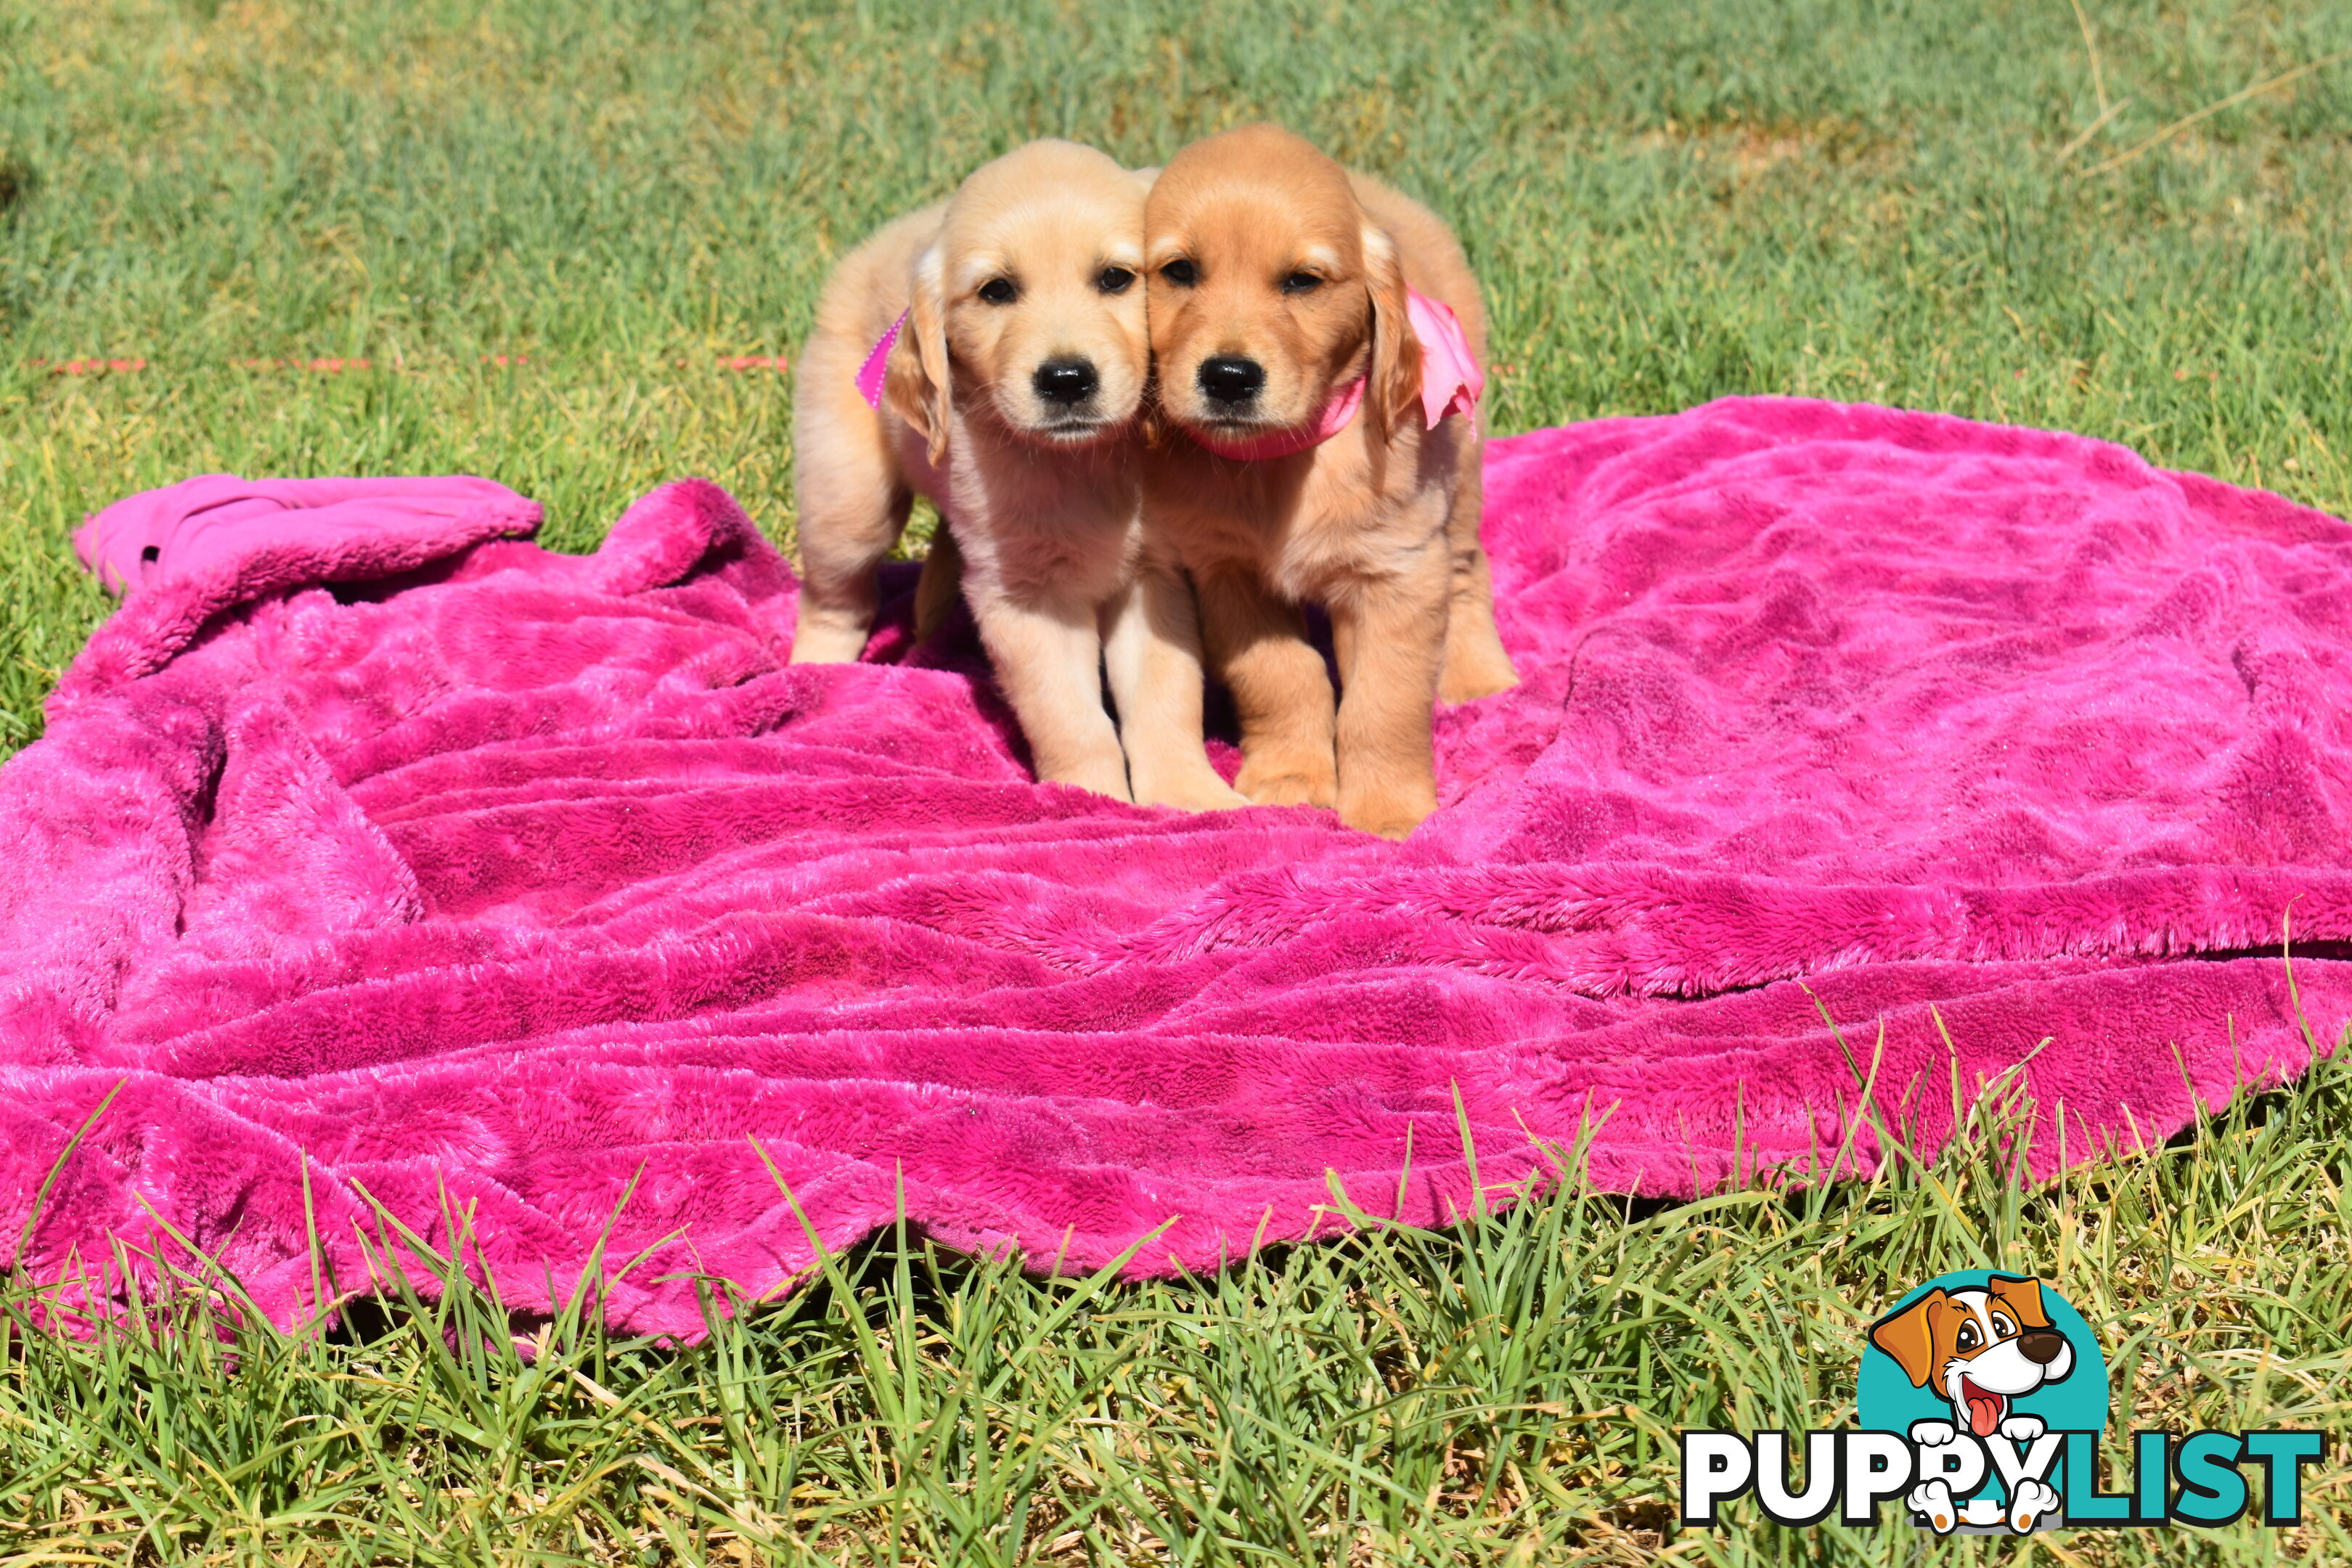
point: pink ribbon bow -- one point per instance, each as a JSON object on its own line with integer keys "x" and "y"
{"x": 871, "y": 375}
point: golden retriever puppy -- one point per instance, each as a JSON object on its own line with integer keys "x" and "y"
{"x": 990, "y": 353}
{"x": 1294, "y": 310}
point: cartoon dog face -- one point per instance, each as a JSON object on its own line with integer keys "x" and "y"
{"x": 1979, "y": 1349}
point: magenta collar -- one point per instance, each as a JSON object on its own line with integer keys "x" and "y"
{"x": 1451, "y": 383}
{"x": 1337, "y": 414}
{"x": 877, "y": 367}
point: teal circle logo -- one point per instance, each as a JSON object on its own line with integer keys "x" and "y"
{"x": 1985, "y": 1353}
{"x": 1981, "y": 1405}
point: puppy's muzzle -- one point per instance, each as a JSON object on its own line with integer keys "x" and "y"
{"x": 2040, "y": 1346}
{"x": 1230, "y": 380}
{"x": 1065, "y": 381}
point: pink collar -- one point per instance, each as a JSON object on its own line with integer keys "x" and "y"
{"x": 1451, "y": 383}
{"x": 871, "y": 375}
{"x": 1337, "y": 413}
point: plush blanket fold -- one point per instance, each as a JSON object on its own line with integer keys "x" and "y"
{"x": 386, "y": 867}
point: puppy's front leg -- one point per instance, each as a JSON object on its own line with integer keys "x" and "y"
{"x": 852, "y": 509}
{"x": 1389, "y": 636}
{"x": 1258, "y": 646}
{"x": 940, "y": 585}
{"x": 1476, "y": 665}
{"x": 1049, "y": 660}
{"x": 1152, "y": 649}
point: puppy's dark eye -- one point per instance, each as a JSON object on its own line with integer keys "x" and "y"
{"x": 1114, "y": 279}
{"x": 999, "y": 291}
{"x": 1967, "y": 1338}
{"x": 1301, "y": 283}
{"x": 1178, "y": 272}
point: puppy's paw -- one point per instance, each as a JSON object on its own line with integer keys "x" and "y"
{"x": 1205, "y": 793}
{"x": 1391, "y": 813}
{"x": 2021, "y": 1428}
{"x": 821, "y": 641}
{"x": 1102, "y": 777}
{"x": 1933, "y": 1434}
{"x": 1474, "y": 673}
{"x": 1289, "y": 781}
{"x": 2035, "y": 1503}
{"x": 1933, "y": 1499}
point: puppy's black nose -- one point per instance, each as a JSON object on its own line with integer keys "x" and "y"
{"x": 1229, "y": 378}
{"x": 2040, "y": 1346}
{"x": 1066, "y": 381}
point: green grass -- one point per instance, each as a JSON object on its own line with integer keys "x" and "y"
{"x": 1667, "y": 202}
{"x": 1507, "y": 1392}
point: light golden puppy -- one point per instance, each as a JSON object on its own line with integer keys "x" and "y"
{"x": 990, "y": 353}
{"x": 1306, "y": 461}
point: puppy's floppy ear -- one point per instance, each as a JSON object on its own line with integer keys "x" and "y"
{"x": 2022, "y": 1297}
{"x": 1394, "y": 394}
{"x": 1910, "y": 1338}
{"x": 915, "y": 384}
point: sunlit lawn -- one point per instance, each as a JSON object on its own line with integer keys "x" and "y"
{"x": 557, "y": 235}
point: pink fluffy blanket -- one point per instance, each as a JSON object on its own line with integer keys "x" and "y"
{"x": 387, "y": 867}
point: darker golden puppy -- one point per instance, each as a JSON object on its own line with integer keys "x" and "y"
{"x": 1318, "y": 340}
